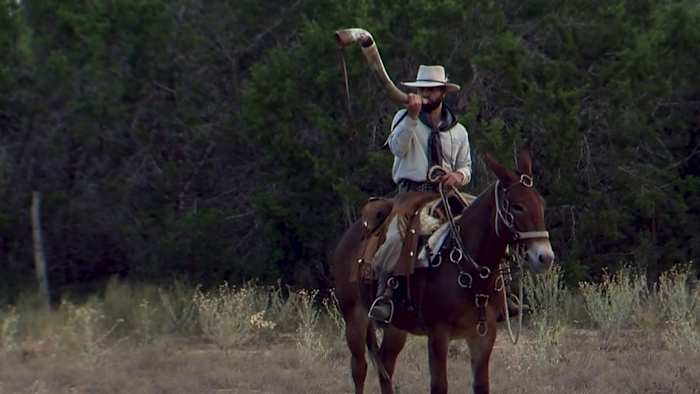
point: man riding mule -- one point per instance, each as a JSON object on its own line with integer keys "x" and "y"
{"x": 425, "y": 134}
{"x": 462, "y": 286}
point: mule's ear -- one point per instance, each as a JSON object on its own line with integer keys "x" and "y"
{"x": 525, "y": 162}
{"x": 501, "y": 172}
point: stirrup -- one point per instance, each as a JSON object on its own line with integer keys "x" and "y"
{"x": 391, "y": 310}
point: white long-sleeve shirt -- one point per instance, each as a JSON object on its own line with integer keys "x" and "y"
{"x": 408, "y": 142}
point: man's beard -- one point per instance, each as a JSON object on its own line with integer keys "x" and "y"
{"x": 431, "y": 105}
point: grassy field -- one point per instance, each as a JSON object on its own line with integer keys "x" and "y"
{"x": 618, "y": 336}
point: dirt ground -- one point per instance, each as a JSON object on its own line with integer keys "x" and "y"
{"x": 633, "y": 362}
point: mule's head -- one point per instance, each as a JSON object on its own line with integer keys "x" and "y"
{"x": 520, "y": 212}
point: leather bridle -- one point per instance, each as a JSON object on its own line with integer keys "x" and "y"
{"x": 459, "y": 252}
{"x": 506, "y": 216}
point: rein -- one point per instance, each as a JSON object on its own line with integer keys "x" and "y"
{"x": 513, "y": 338}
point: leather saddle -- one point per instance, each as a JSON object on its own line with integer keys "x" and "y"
{"x": 377, "y": 213}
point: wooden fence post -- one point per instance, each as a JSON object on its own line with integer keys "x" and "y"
{"x": 39, "y": 258}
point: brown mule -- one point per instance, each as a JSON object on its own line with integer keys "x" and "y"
{"x": 461, "y": 290}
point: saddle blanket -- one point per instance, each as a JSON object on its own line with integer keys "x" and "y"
{"x": 434, "y": 245}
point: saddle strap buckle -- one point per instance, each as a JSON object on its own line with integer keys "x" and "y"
{"x": 392, "y": 283}
{"x": 481, "y": 300}
{"x": 500, "y": 283}
{"x": 456, "y": 255}
{"x": 526, "y": 180}
{"x": 484, "y": 272}
{"x": 481, "y": 328}
{"x": 465, "y": 280}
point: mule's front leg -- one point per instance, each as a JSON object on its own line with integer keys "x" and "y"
{"x": 438, "y": 342}
{"x": 480, "y": 351}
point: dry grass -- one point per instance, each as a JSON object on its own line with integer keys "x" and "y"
{"x": 252, "y": 339}
{"x": 679, "y": 307}
{"x": 616, "y": 302}
{"x": 546, "y": 297}
{"x": 632, "y": 363}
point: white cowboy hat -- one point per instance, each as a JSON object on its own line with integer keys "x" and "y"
{"x": 430, "y": 77}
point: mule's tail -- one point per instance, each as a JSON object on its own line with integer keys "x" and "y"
{"x": 373, "y": 349}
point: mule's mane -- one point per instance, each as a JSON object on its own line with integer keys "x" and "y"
{"x": 476, "y": 227}
{"x": 482, "y": 198}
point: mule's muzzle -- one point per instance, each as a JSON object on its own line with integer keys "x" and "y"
{"x": 539, "y": 256}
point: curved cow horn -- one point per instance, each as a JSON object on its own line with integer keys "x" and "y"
{"x": 369, "y": 49}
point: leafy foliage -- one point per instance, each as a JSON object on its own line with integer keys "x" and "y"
{"x": 213, "y": 141}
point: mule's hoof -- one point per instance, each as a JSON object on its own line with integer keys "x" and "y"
{"x": 382, "y": 310}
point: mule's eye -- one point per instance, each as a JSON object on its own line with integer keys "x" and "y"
{"x": 517, "y": 208}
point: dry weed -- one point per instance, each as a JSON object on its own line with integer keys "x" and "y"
{"x": 85, "y": 330}
{"x": 178, "y": 303}
{"x": 615, "y": 303}
{"x": 546, "y": 297}
{"x": 148, "y": 312}
{"x": 283, "y": 307}
{"x": 9, "y": 332}
{"x": 231, "y": 316}
{"x": 316, "y": 359}
{"x": 144, "y": 322}
{"x": 311, "y": 343}
{"x": 320, "y": 327}
{"x": 332, "y": 312}
{"x": 679, "y": 305}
